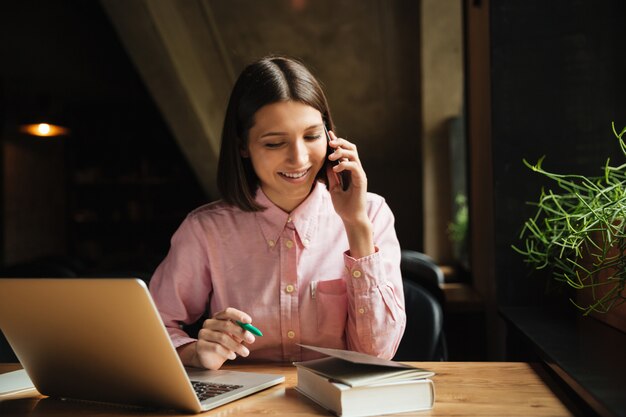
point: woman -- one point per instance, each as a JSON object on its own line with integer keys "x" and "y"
{"x": 287, "y": 246}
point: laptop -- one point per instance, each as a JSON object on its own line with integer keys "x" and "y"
{"x": 103, "y": 340}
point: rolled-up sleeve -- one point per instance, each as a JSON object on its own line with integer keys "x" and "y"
{"x": 181, "y": 284}
{"x": 376, "y": 315}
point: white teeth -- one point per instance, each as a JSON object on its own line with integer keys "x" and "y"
{"x": 294, "y": 175}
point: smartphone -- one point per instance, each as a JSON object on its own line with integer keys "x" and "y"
{"x": 344, "y": 176}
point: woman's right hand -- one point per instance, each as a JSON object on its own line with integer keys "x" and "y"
{"x": 219, "y": 339}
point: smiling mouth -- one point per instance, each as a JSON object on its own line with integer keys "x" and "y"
{"x": 295, "y": 175}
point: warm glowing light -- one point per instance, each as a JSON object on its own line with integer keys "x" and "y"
{"x": 44, "y": 130}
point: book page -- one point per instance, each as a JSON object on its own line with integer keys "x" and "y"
{"x": 358, "y": 374}
{"x": 357, "y": 357}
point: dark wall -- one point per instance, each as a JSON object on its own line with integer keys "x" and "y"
{"x": 557, "y": 81}
{"x": 367, "y": 55}
{"x": 126, "y": 185}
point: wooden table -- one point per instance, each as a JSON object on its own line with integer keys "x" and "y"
{"x": 461, "y": 389}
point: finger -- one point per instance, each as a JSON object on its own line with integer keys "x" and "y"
{"x": 224, "y": 326}
{"x": 230, "y": 327}
{"x": 340, "y": 142}
{"x": 345, "y": 165}
{"x": 233, "y": 314}
{"x": 353, "y": 166}
{"x": 225, "y": 340}
{"x": 206, "y": 350}
{"x": 342, "y": 154}
{"x": 357, "y": 174}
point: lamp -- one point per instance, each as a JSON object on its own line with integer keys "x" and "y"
{"x": 44, "y": 129}
{"x": 45, "y": 122}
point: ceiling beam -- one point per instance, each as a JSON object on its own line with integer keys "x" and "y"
{"x": 178, "y": 52}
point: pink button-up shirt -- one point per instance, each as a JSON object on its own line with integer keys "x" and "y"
{"x": 291, "y": 272}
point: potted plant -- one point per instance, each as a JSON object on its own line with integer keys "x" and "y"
{"x": 578, "y": 234}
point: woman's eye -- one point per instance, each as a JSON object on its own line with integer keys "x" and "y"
{"x": 312, "y": 137}
{"x": 273, "y": 145}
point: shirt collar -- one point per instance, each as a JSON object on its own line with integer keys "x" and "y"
{"x": 304, "y": 218}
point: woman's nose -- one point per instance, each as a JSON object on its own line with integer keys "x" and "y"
{"x": 298, "y": 152}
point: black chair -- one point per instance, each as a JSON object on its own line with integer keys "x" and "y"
{"x": 423, "y": 338}
{"x": 422, "y": 269}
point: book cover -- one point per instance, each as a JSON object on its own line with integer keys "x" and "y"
{"x": 353, "y": 384}
{"x": 368, "y": 400}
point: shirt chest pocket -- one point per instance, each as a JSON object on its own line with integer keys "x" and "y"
{"x": 331, "y": 303}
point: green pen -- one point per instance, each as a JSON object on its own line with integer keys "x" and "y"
{"x": 249, "y": 328}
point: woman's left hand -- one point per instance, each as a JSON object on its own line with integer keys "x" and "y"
{"x": 350, "y": 204}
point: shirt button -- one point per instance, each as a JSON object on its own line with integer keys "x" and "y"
{"x": 291, "y": 334}
{"x": 289, "y": 219}
{"x": 356, "y": 273}
{"x": 271, "y": 243}
{"x": 289, "y": 244}
{"x": 306, "y": 242}
{"x": 289, "y": 288}
{"x": 361, "y": 310}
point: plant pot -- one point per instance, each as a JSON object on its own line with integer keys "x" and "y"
{"x": 616, "y": 316}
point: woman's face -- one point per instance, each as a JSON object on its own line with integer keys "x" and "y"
{"x": 287, "y": 148}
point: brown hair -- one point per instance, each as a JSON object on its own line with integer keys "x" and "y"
{"x": 266, "y": 81}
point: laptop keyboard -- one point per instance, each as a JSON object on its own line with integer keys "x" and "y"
{"x": 205, "y": 390}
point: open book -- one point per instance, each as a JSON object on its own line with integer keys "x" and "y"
{"x": 355, "y": 384}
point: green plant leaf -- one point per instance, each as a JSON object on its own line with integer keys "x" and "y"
{"x": 578, "y": 231}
